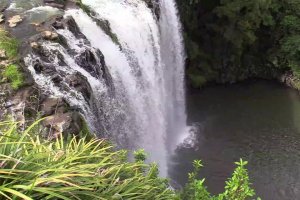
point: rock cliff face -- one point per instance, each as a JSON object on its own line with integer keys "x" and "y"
{"x": 31, "y": 102}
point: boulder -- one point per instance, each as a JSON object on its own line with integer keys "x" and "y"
{"x": 14, "y": 21}
{"x": 154, "y": 6}
{"x": 49, "y": 35}
{"x": 80, "y": 84}
{"x": 34, "y": 45}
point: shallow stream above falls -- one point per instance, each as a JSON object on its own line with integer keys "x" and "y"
{"x": 258, "y": 121}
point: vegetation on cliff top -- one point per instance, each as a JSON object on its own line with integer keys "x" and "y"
{"x": 11, "y": 71}
{"x": 232, "y": 40}
{"x": 80, "y": 168}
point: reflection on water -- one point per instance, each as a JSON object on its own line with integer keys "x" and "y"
{"x": 258, "y": 121}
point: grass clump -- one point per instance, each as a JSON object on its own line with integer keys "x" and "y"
{"x": 34, "y": 168}
{"x": 14, "y": 75}
{"x": 9, "y": 44}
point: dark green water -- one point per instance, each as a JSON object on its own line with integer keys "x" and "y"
{"x": 258, "y": 121}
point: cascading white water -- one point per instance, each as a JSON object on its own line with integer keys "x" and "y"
{"x": 147, "y": 70}
{"x": 173, "y": 56}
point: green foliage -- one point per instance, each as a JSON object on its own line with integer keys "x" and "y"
{"x": 237, "y": 187}
{"x": 34, "y": 168}
{"x": 291, "y": 23}
{"x": 243, "y": 39}
{"x": 9, "y": 44}
{"x": 197, "y": 80}
{"x": 140, "y": 155}
{"x": 13, "y": 74}
{"x": 195, "y": 188}
{"x": 84, "y": 7}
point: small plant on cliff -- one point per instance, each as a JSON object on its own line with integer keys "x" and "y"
{"x": 13, "y": 74}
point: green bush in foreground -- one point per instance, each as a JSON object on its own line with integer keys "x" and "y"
{"x": 34, "y": 168}
{"x": 80, "y": 168}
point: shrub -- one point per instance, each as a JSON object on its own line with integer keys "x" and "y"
{"x": 237, "y": 187}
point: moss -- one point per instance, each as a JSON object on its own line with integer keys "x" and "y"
{"x": 103, "y": 24}
{"x": 9, "y": 44}
{"x": 85, "y": 8}
{"x": 14, "y": 75}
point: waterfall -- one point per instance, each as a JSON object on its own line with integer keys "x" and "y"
{"x": 143, "y": 104}
{"x": 173, "y": 56}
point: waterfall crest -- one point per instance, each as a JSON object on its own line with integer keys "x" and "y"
{"x": 136, "y": 77}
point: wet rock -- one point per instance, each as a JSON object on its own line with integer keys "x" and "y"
{"x": 17, "y": 104}
{"x": 55, "y": 3}
{"x": 3, "y": 55}
{"x": 154, "y": 6}
{"x": 49, "y": 35}
{"x": 51, "y": 106}
{"x": 72, "y": 26}
{"x": 80, "y": 84}
{"x": 34, "y": 45}
{"x": 58, "y": 25}
{"x": 88, "y": 61}
{"x": 1, "y": 18}
{"x": 65, "y": 123}
{"x": 5, "y": 91}
{"x": 38, "y": 67}
{"x": 56, "y": 79}
{"x": 14, "y": 21}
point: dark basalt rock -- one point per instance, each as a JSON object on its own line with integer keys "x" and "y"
{"x": 63, "y": 117}
{"x": 154, "y": 6}
{"x": 38, "y": 67}
{"x": 55, "y": 3}
{"x": 94, "y": 63}
{"x": 80, "y": 84}
{"x": 88, "y": 61}
{"x": 72, "y": 26}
